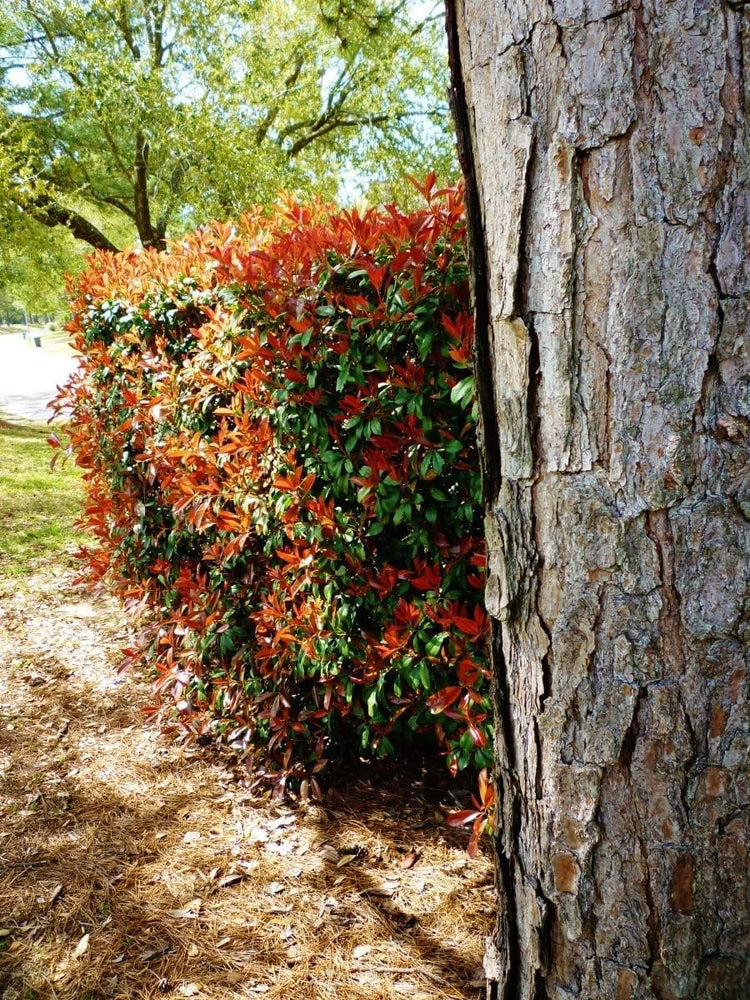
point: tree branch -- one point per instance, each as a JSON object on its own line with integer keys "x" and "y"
{"x": 318, "y": 129}
{"x": 49, "y": 213}
{"x": 273, "y": 111}
{"x": 118, "y": 203}
{"x": 122, "y": 21}
{"x": 88, "y": 187}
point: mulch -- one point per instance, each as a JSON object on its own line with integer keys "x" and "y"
{"x": 132, "y": 866}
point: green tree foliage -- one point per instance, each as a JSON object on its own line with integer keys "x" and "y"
{"x": 31, "y": 270}
{"x": 127, "y": 119}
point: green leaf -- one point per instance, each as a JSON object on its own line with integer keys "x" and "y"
{"x": 462, "y": 392}
{"x": 372, "y": 703}
{"x": 433, "y": 647}
{"x": 424, "y": 675}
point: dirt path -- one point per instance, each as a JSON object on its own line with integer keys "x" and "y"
{"x": 29, "y": 377}
{"x": 133, "y": 868}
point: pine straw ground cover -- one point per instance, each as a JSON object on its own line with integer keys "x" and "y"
{"x": 133, "y": 868}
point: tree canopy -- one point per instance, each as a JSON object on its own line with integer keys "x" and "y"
{"x": 127, "y": 120}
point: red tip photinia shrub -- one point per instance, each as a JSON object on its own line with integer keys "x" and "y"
{"x": 275, "y": 422}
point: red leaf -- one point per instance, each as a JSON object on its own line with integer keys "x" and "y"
{"x": 477, "y": 734}
{"x": 429, "y": 578}
{"x": 476, "y": 833}
{"x": 443, "y": 699}
{"x": 484, "y": 785}
{"x": 463, "y": 817}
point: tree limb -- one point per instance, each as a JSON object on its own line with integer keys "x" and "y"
{"x": 273, "y": 111}
{"x": 109, "y": 199}
{"x": 49, "y": 213}
{"x": 319, "y": 129}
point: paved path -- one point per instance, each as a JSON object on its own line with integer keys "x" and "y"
{"x": 29, "y": 377}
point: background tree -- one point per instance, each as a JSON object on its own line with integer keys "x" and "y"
{"x": 31, "y": 272}
{"x": 33, "y": 257}
{"x": 606, "y": 152}
{"x": 127, "y": 118}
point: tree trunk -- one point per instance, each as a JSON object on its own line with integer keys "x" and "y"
{"x": 606, "y": 157}
{"x": 150, "y": 238}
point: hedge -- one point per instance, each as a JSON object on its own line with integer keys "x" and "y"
{"x": 277, "y": 430}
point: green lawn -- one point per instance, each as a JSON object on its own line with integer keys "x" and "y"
{"x": 38, "y": 505}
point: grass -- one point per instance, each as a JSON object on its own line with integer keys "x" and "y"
{"x": 38, "y": 505}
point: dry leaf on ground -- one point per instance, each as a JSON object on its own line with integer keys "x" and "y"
{"x": 82, "y": 947}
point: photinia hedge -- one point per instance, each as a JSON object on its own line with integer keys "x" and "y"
{"x": 276, "y": 426}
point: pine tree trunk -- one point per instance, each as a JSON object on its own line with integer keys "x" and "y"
{"x": 606, "y": 155}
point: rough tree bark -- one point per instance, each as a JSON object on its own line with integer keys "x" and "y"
{"x": 606, "y": 155}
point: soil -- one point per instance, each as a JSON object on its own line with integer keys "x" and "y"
{"x": 135, "y": 867}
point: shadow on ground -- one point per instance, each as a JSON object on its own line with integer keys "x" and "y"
{"x": 130, "y": 867}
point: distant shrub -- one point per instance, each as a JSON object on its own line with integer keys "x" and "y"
{"x": 276, "y": 427}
